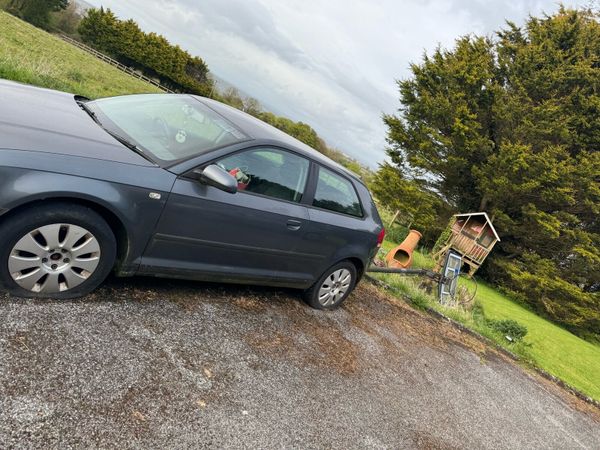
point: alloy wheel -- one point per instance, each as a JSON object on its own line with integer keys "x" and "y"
{"x": 335, "y": 287}
{"x": 54, "y": 258}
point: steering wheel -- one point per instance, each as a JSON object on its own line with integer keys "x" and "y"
{"x": 163, "y": 131}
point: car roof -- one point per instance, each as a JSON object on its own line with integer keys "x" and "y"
{"x": 257, "y": 129}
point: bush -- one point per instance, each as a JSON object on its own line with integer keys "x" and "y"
{"x": 509, "y": 328}
{"x": 444, "y": 236}
{"x": 396, "y": 233}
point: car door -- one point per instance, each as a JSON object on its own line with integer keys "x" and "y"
{"x": 337, "y": 229}
{"x": 249, "y": 235}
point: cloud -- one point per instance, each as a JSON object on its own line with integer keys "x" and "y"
{"x": 332, "y": 64}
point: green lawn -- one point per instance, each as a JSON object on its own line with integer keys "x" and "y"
{"x": 553, "y": 349}
{"x": 30, "y": 55}
{"x": 547, "y": 346}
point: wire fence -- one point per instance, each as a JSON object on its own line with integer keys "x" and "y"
{"x": 115, "y": 63}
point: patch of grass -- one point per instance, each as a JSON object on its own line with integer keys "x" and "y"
{"x": 546, "y": 345}
{"x": 33, "y": 56}
{"x": 552, "y": 348}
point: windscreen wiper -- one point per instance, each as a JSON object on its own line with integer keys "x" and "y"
{"x": 88, "y": 110}
{"x": 129, "y": 145}
{"x": 121, "y": 139}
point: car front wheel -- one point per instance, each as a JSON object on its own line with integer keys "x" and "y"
{"x": 334, "y": 286}
{"x": 58, "y": 250}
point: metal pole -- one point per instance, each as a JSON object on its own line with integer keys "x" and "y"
{"x": 409, "y": 272}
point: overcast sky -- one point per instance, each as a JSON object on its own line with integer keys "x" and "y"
{"x": 329, "y": 63}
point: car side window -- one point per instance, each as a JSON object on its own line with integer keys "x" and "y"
{"x": 268, "y": 171}
{"x": 335, "y": 193}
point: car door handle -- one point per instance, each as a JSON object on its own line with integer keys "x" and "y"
{"x": 294, "y": 225}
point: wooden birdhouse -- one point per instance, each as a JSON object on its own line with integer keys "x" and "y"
{"x": 472, "y": 236}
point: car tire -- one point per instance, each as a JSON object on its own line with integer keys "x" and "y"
{"x": 58, "y": 250}
{"x": 334, "y": 286}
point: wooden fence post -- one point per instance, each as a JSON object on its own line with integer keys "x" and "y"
{"x": 394, "y": 218}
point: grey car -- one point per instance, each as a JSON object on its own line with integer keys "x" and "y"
{"x": 171, "y": 186}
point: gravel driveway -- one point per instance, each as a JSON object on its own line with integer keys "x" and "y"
{"x": 149, "y": 363}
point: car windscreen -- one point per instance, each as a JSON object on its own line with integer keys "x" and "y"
{"x": 168, "y": 127}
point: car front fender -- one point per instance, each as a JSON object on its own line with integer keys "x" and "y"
{"x": 137, "y": 208}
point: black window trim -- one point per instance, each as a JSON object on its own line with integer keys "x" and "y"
{"x": 313, "y": 190}
{"x": 310, "y": 187}
{"x": 259, "y": 146}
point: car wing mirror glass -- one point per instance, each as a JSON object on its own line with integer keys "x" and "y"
{"x": 216, "y": 176}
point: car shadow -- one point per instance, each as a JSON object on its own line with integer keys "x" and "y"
{"x": 144, "y": 282}
{"x": 148, "y": 289}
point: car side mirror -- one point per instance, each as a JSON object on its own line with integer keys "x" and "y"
{"x": 216, "y": 176}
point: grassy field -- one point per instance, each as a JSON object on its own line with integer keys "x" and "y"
{"x": 552, "y": 348}
{"x": 30, "y": 55}
{"x": 546, "y": 345}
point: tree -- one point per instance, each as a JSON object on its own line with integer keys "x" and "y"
{"x": 301, "y": 131}
{"x": 232, "y": 97}
{"x": 37, "y": 12}
{"x": 66, "y": 20}
{"x": 446, "y": 125}
{"x": 152, "y": 53}
{"x": 99, "y": 29}
{"x": 252, "y": 106}
{"x": 410, "y": 197}
{"x": 511, "y": 126}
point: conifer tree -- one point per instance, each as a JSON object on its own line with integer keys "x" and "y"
{"x": 511, "y": 126}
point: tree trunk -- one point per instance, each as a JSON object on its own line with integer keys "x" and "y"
{"x": 483, "y": 203}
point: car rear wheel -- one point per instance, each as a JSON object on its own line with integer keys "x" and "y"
{"x": 334, "y": 286}
{"x": 55, "y": 251}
